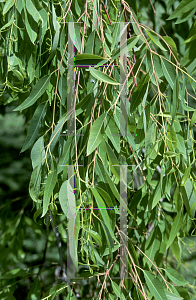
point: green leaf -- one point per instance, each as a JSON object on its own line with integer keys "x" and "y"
{"x": 96, "y": 136}
{"x": 63, "y": 197}
{"x": 187, "y": 108}
{"x": 183, "y": 7}
{"x": 139, "y": 92}
{"x": 154, "y": 286}
{"x": 56, "y": 36}
{"x": 113, "y": 161}
{"x": 102, "y": 76}
{"x": 172, "y": 137}
{"x": 169, "y": 72}
{"x": 112, "y": 133}
{"x": 33, "y": 11}
{"x": 36, "y": 93}
{"x": 115, "y": 35}
{"x": 103, "y": 211}
{"x": 7, "y": 6}
{"x": 38, "y": 152}
{"x": 171, "y": 153}
{"x": 55, "y": 290}
{"x": 175, "y": 99}
{"x": 88, "y": 59}
{"x": 127, "y": 46}
{"x": 149, "y": 137}
{"x": 35, "y": 290}
{"x": 177, "y": 224}
{"x": 193, "y": 120}
{"x": 116, "y": 289}
{"x": 175, "y": 277}
{"x": 172, "y": 296}
{"x": 50, "y": 184}
{"x": 155, "y": 38}
{"x": 186, "y": 176}
{"x": 34, "y": 126}
{"x": 30, "y": 24}
{"x": 90, "y": 43}
{"x": 96, "y": 237}
{"x": 153, "y": 244}
{"x": 8, "y": 23}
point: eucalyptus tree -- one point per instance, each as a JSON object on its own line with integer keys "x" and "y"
{"x": 108, "y": 98}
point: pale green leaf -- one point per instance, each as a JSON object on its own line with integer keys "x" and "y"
{"x": 155, "y": 38}
{"x": 193, "y": 120}
{"x": 177, "y": 224}
{"x": 116, "y": 289}
{"x": 103, "y": 211}
{"x": 169, "y": 72}
{"x": 175, "y": 277}
{"x": 96, "y": 136}
{"x": 49, "y": 187}
{"x": 172, "y": 296}
{"x": 36, "y": 93}
{"x": 183, "y": 7}
{"x": 102, "y": 76}
{"x": 7, "y": 6}
{"x": 112, "y": 133}
{"x": 155, "y": 286}
{"x": 63, "y": 197}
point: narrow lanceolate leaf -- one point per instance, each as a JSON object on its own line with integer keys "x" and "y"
{"x": 127, "y": 46}
{"x": 88, "y": 59}
{"x": 114, "y": 163}
{"x": 154, "y": 37}
{"x": 33, "y": 11}
{"x": 103, "y": 211}
{"x": 187, "y": 108}
{"x": 175, "y": 228}
{"x": 186, "y": 176}
{"x": 171, "y": 296}
{"x": 172, "y": 137}
{"x": 96, "y": 237}
{"x": 56, "y": 133}
{"x": 193, "y": 120}
{"x": 139, "y": 92}
{"x": 149, "y": 137}
{"x": 49, "y": 187}
{"x": 183, "y": 7}
{"x": 116, "y": 289}
{"x": 96, "y": 136}
{"x": 175, "y": 277}
{"x": 34, "y": 126}
{"x": 63, "y": 197}
{"x": 155, "y": 286}
{"x": 35, "y": 94}
{"x": 56, "y": 36}
{"x": 169, "y": 72}
{"x": 103, "y": 77}
{"x": 175, "y": 99}
{"x": 7, "y": 6}
{"x": 112, "y": 133}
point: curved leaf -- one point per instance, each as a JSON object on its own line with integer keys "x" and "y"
{"x": 34, "y": 126}
{"x": 102, "y": 76}
{"x": 96, "y": 136}
{"x": 175, "y": 277}
{"x": 36, "y": 93}
{"x": 178, "y": 221}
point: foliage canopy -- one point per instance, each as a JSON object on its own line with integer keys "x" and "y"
{"x": 157, "y": 150}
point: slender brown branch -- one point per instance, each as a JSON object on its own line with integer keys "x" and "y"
{"x": 107, "y": 13}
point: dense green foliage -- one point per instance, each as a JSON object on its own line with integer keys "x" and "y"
{"x": 158, "y": 150}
